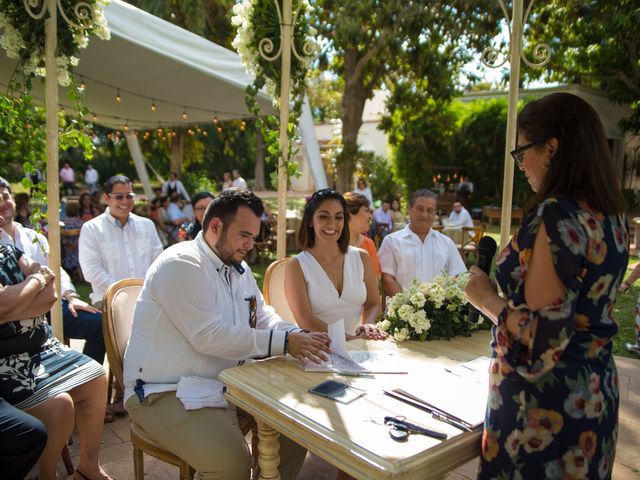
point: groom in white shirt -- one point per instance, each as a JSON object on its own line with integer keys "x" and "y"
{"x": 200, "y": 311}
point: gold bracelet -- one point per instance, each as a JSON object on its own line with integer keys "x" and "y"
{"x": 39, "y": 278}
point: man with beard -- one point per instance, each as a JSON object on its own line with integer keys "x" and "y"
{"x": 418, "y": 251}
{"x": 200, "y": 311}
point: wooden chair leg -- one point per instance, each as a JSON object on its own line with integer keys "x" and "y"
{"x": 66, "y": 458}
{"x": 138, "y": 464}
{"x": 254, "y": 448}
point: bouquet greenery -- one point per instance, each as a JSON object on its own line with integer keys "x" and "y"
{"x": 426, "y": 311}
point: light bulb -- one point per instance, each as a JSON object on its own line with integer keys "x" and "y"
{"x": 153, "y": 105}
{"x": 94, "y": 117}
{"x": 184, "y": 114}
{"x": 118, "y": 97}
{"x": 215, "y": 120}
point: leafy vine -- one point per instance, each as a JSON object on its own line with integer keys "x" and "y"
{"x": 259, "y": 21}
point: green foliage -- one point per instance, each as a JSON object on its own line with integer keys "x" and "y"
{"x": 325, "y": 95}
{"x": 376, "y": 42}
{"x": 379, "y": 175}
{"x": 420, "y": 131}
{"x": 196, "y": 182}
{"x": 594, "y": 43}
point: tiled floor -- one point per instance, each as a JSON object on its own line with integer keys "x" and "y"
{"x": 117, "y": 460}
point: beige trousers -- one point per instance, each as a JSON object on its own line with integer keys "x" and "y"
{"x": 208, "y": 439}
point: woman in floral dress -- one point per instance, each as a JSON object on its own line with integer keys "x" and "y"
{"x": 43, "y": 377}
{"x": 553, "y": 397}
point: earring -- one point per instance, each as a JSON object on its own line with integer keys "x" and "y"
{"x": 547, "y": 163}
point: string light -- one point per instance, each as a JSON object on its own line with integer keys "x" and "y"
{"x": 219, "y": 129}
{"x": 184, "y": 113}
{"x": 215, "y": 120}
{"x": 94, "y": 117}
{"x": 205, "y": 133}
{"x": 153, "y": 105}
{"x": 62, "y": 110}
{"x": 118, "y": 97}
{"x": 126, "y": 126}
{"x": 82, "y": 84}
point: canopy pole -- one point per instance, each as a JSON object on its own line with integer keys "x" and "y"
{"x": 138, "y": 160}
{"x": 285, "y": 83}
{"x": 512, "y": 115}
{"x": 53, "y": 183}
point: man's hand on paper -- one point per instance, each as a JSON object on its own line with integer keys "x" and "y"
{"x": 309, "y": 346}
{"x": 370, "y": 332}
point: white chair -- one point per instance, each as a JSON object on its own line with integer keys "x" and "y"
{"x": 273, "y": 289}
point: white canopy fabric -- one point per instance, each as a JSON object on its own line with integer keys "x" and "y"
{"x": 148, "y": 58}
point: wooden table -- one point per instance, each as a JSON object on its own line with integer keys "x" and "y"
{"x": 352, "y": 437}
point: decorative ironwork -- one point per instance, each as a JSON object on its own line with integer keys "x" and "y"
{"x": 83, "y": 12}
{"x": 266, "y": 46}
{"x": 541, "y": 52}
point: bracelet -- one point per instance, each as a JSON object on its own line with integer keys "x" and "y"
{"x": 70, "y": 294}
{"x": 39, "y": 278}
{"x": 286, "y": 343}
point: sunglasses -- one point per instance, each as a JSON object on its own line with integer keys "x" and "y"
{"x": 253, "y": 311}
{"x": 122, "y": 196}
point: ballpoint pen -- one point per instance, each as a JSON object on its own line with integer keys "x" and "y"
{"x": 434, "y": 414}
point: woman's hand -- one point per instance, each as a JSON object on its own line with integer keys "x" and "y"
{"x": 624, "y": 287}
{"x": 309, "y": 346}
{"x": 479, "y": 288}
{"x": 370, "y": 332}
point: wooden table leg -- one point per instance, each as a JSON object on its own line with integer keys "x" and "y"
{"x": 268, "y": 452}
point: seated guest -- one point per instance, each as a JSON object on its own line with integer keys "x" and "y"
{"x": 382, "y": 221}
{"x": 87, "y": 208}
{"x": 175, "y": 217}
{"x": 359, "y": 210}
{"x": 459, "y": 217}
{"x": 200, "y": 311}
{"x": 69, "y": 252}
{"x": 399, "y": 218}
{"x": 174, "y": 187}
{"x": 418, "y": 251}
{"x": 96, "y": 201}
{"x": 22, "y": 436}
{"x": 22, "y": 209}
{"x": 80, "y": 320}
{"x": 40, "y": 375}
{"x": 200, "y": 201}
{"x": 330, "y": 280}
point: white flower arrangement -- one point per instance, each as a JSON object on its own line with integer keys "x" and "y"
{"x": 436, "y": 309}
{"x": 18, "y": 31}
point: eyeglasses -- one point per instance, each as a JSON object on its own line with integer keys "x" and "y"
{"x": 253, "y": 311}
{"x": 122, "y": 196}
{"x": 518, "y": 153}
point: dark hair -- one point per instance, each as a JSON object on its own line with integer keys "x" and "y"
{"x": 582, "y": 167}
{"x": 361, "y": 180}
{"x": 424, "y": 192}
{"x": 73, "y": 209}
{"x": 355, "y": 201}
{"x": 108, "y": 185}
{"x": 306, "y": 235}
{"x": 225, "y": 206}
{"x": 5, "y": 184}
{"x": 199, "y": 196}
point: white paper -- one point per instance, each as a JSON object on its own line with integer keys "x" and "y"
{"x": 338, "y": 338}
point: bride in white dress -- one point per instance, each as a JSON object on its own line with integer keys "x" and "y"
{"x": 330, "y": 280}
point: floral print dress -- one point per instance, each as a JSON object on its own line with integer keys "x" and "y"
{"x": 34, "y": 366}
{"x": 553, "y": 404}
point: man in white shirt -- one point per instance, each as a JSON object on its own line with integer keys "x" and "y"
{"x": 91, "y": 178}
{"x": 200, "y": 311}
{"x": 174, "y": 187}
{"x": 238, "y": 181}
{"x": 116, "y": 244}
{"x": 418, "y": 251}
{"x": 80, "y": 320}
{"x": 382, "y": 223}
{"x": 459, "y": 217}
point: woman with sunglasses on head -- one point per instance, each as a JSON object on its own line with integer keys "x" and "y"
{"x": 553, "y": 396}
{"x": 330, "y": 280}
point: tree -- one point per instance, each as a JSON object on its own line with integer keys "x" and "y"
{"x": 594, "y": 43}
{"x": 373, "y": 41}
